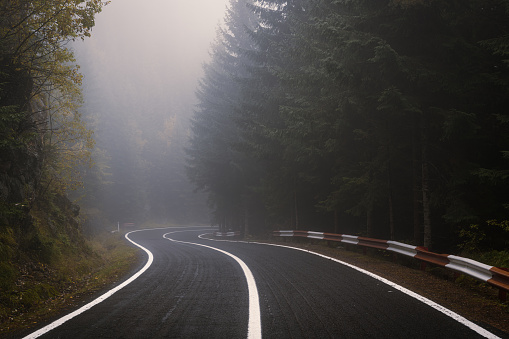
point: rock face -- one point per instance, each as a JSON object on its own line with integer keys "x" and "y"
{"x": 19, "y": 175}
{"x": 22, "y": 122}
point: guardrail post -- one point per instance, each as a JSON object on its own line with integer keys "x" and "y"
{"x": 495, "y": 276}
{"x": 423, "y": 263}
{"x": 502, "y": 295}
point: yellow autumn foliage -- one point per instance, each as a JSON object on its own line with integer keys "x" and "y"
{"x": 34, "y": 37}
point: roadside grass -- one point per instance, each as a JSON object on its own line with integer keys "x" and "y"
{"x": 41, "y": 291}
{"x": 493, "y": 257}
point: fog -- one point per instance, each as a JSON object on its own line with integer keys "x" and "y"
{"x": 166, "y": 39}
{"x": 141, "y": 67}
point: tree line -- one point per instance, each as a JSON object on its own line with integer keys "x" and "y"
{"x": 43, "y": 139}
{"x": 382, "y": 118}
{"x": 45, "y": 144}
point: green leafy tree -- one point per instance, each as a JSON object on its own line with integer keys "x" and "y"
{"x": 39, "y": 90}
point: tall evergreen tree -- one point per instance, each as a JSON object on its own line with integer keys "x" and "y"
{"x": 386, "y": 114}
{"x": 215, "y": 164}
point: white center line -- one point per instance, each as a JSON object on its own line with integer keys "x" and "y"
{"x": 94, "y": 302}
{"x": 254, "y": 330}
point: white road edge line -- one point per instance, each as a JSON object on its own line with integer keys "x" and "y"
{"x": 254, "y": 329}
{"x": 100, "y": 299}
{"x": 462, "y": 320}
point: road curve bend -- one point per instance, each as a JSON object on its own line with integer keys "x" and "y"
{"x": 194, "y": 287}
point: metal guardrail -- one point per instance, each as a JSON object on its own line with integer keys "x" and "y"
{"x": 227, "y": 234}
{"x": 495, "y": 276}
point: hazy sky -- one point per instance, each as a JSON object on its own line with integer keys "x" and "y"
{"x": 182, "y": 28}
{"x": 167, "y": 39}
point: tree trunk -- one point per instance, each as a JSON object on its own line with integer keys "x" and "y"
{"x": 369, "y": 221}
{"x": 391, "y": 205}
{"x": 425, "y": 188}
{"x": 296, "y": 210}
{"x": 391, "y": 217}
{"x": 336, "y": 220}
{"x": 416, "y": 188}
{"x": 246, "y": 217}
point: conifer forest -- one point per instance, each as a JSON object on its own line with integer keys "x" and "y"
{"x": 382, "y": 118}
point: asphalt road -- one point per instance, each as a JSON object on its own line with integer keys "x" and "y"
{"x": 197, "y": 288}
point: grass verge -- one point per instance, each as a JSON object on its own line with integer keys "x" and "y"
{"x": 41, "y": 291}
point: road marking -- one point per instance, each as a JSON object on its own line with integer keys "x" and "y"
{"x": 462, "y": 320}
{"x": 94, "y": 302}
{"x": 254, "y": 329}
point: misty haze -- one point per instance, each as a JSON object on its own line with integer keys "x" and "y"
{"x": 141, "y": 68}
{"x": 254, "y": 168}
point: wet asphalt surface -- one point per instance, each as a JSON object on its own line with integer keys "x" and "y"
{"x": 191, "y": 291}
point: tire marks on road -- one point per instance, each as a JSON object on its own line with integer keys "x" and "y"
{"x": 254, "y": 324}
{"x": 94, "y": 302}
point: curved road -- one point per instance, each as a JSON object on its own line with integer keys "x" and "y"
{"x": 197, "y": 288}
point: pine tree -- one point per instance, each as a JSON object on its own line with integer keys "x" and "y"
{"x": 215, "y": 164}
